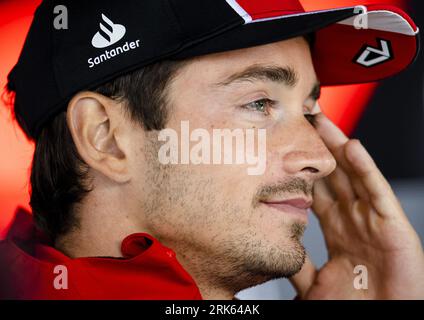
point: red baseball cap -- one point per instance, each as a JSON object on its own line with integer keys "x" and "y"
{"x": 107, "y": 38}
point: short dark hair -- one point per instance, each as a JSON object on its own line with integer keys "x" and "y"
{"x": 59, "y": 177}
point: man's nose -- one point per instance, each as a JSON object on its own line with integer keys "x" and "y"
{"x": 307, "y": 155}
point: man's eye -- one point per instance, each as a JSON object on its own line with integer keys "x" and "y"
{"x": 311, "y": 118}
{"x": 262, "y": 106}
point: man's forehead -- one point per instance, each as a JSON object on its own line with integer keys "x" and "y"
{"x": 291, "y": 56}
{"x": 285, "y": 63}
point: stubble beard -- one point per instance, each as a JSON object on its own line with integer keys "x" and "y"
{"x": 235, "y": 262}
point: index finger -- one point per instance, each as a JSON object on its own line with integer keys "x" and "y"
{"x": 333, "y": 137}
{"x": 336, "y": 141}
{"x": 356, "y": 160}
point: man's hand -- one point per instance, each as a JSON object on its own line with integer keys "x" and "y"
{"x": 363, "y": 224}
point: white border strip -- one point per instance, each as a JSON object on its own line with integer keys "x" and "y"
{"x": 392, "y": 27}
{"x": 240, "y": 11}
{"x": 248, "y": 18}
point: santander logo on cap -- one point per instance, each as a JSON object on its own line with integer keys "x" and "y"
{"x": 109, "y": 33}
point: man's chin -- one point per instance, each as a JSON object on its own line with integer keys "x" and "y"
{"x": 293, "y": 255}
{"x": 278, "y": 261}
{"x": 276, "y": 265}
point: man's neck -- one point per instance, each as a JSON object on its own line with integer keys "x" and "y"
{"x": 198, "y": 265}
{"x": 101, "y": 228}
{"x": 211, "y": 293}
{"x": 94, "y": 243}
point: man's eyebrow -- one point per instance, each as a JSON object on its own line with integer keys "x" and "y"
{"x": 285, "y": 75}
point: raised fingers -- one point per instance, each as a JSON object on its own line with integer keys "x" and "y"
{"x": 380, "y": 193}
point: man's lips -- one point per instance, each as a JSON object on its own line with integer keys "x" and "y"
{"x": 295, "y": 205}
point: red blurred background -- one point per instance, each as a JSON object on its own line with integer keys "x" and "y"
{"x": 343, "y": 104}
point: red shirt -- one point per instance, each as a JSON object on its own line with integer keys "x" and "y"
{"x": 30, "y": 269}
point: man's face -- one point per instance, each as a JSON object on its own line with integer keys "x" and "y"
{"x": 221, "y": 221}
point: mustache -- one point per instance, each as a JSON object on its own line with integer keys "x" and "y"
{"x": 293, "y": 186}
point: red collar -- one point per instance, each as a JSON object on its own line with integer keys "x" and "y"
{"x": 149, "y": 270}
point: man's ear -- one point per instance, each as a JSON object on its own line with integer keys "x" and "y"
{"x": 98, "y": 128}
